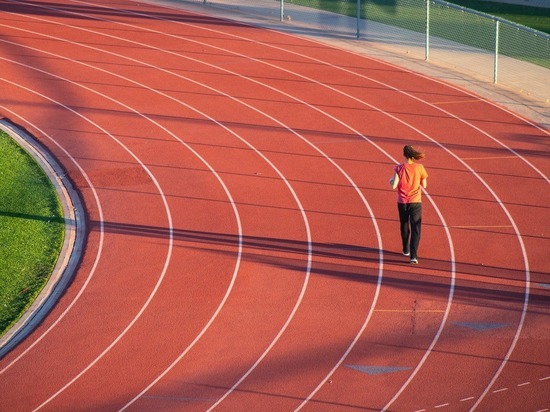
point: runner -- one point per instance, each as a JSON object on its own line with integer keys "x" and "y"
{"x": 407, "y": 179}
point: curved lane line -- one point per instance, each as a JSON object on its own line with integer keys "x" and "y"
{"x": 510, "y": 218}
{"x": 169, "y": 216}
{"x": 364, "y": 137}
{"x": 369, "y": 315}
{"x": 378, "y": 286}
{"x": 155, "y": 182}
{"x": 304, "y": 287}
{"x": 457, "y": 118}
{"x": 285, "y": 326}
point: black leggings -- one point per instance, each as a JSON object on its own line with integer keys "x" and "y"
{"x": 410, "y": 218}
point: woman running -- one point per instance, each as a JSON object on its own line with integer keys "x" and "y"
{"x": 408, "y": 178}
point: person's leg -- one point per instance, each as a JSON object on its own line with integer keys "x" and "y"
{"x": 416, "y": 225}
{"x": 404, "y": 226}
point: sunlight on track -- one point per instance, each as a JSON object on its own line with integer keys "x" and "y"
{"x": 354, "y": 131}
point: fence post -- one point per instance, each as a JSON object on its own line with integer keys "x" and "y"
{"x": 427, "y": 51}
{"x": 358, "y": 18}
{"x": 495, "y": 70}
{"x": 282, "y": 10}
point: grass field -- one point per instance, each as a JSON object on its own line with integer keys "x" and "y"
{"x": 31, "y": 230}
{"x": 537, "y": 18}
{"x": 448, "y": 21}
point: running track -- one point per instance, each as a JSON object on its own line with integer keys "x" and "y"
{"x": 242, "y": 250}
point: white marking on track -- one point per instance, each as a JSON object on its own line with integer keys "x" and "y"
{"x": 165, "y": 203}
{"x": 309, "y": 254}
{"x": 379, "y": 281}
{"x": 168, "y": 214}
{"x": 240, "y": 248}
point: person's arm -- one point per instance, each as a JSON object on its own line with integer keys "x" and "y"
{"x": 394, "y": 181}
{"x": 424, "y": 182}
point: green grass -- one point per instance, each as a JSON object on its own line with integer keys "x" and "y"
{"x": 537, "y": 18}
{"x": 31, "y": 230}
{"x": 450, "y": 22}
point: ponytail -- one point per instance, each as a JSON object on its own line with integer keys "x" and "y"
{"x": 411, "y": 153}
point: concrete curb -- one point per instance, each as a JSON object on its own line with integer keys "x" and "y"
{"x": 71, "y": 252}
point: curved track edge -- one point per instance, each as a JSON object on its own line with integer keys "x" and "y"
{"x": 73, "y": 242}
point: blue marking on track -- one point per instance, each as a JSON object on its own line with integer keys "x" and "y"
{"x": 378, "y": 370}
{"x": 481, "y": 326}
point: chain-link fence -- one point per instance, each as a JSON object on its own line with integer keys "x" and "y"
{"x": 487, "y": 48}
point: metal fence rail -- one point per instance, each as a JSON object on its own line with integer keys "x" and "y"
{"x": 487, "y": 48}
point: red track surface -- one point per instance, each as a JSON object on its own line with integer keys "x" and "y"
{"x": 243, "y": 249}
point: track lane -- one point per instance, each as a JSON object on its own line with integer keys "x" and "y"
{"x": 122, "y": 225}
{"x": 92, "y": 318}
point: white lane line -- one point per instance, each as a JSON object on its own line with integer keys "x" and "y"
{"x": 496, "y": 391}
{"x": 516, "y": 229}
{"x": 518, "y": 234}
{"x": 294, "y": 311}
{"x": 169, "y": 218}
{"x": 490, "y": 158}
{"x": 161, "y": 193}
{"x": 354, "y": 185}
{"x": 445, "y": 226}
{"x": 225, "y": 298}
{"x": 240, "y": 250}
